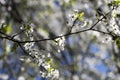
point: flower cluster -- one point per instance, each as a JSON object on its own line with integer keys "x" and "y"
{"x": 76, "y": 21}
{"x": 60, "y": 42}
{"x": 113, "y": 26}
{"x": 40, "y": 57}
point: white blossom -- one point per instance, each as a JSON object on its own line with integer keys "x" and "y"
{"x": 55, "y": 74}
{"x": 113, "y": 26}
{"x": 4, "y": 76}
{"x": 40, "y": 58}
{"x": 72, "y": 16}
{"x": 21, "y": 78}
{"x": 60, "y": 42}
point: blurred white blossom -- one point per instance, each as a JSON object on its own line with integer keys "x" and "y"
{"x": 4, "y": 76}
{"x": 60, "y": 42}
{"x": 21, "y": 78}
{"x": 72, "y": 16}
{"x": 46, "y": 70}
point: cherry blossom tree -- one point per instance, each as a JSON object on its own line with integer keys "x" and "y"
{"x": 60, "y": 39}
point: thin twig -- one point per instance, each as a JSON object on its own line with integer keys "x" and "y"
{"x": 68, "y": 34}
{"x": 18, "y": 33}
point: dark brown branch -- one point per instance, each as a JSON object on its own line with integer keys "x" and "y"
{"x": 68, "y": 34}
{"x": 100, "y": 31}
{"x": 18, "y": 33}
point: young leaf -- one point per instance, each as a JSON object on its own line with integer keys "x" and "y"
{"x": 114, "y": 3}
{"x": 80, "y": 16}
{"x": 14, "y": 47}
{"x": 8, "y": 28}
{"x": 118, "y": 42}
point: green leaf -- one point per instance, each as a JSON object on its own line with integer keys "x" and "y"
{"x": 118, "y": 42}
{"x": 50, "y": 69}
{"x": 115, "y": 14}
{"x": 8, "y": 28}
{"x": 80, "y": 16}
{"x": 14, "y": 47}
{"x": 114, "y": 3}
{"x": 94, "y": 38}
{"x": 7, "y": 47}
{"x": 43, "y": 32}
{"x": 72, "y": 2}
